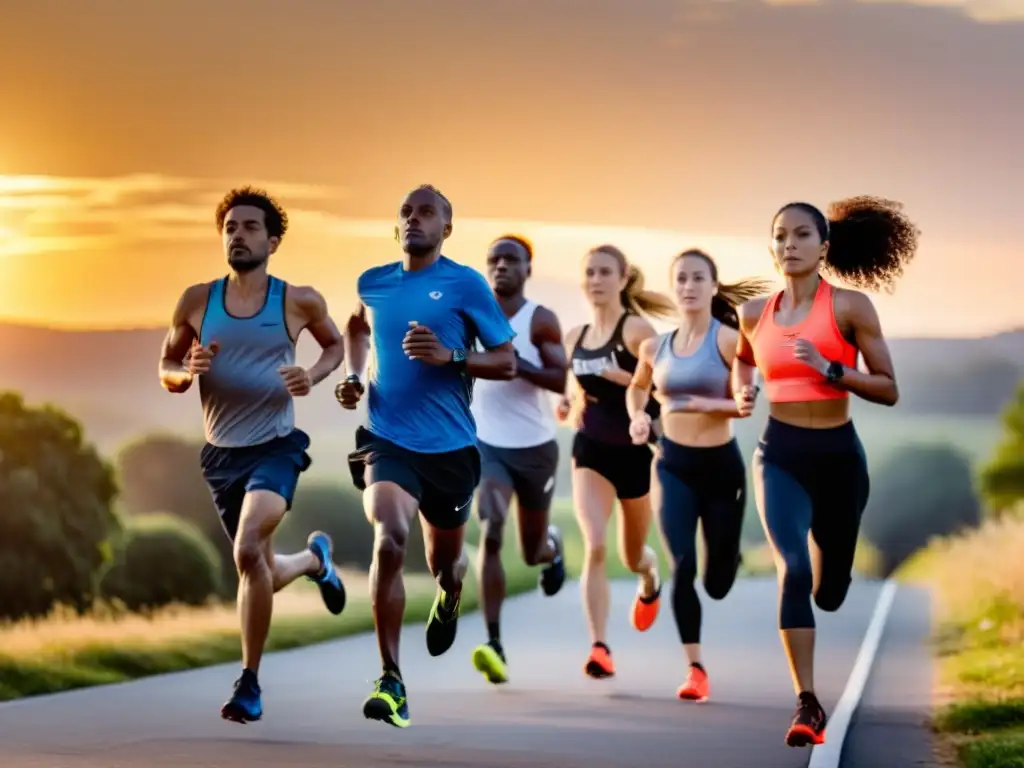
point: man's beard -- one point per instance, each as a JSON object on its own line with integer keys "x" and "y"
{"x": 245, "y": 261}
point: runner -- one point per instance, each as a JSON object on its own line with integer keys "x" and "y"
{"x": 418, "y": 451}
{"x": 699, "y": 468}
{"x": 516, "y": 437}
{"x": 810, "y": 471}
{"x": 606, "y": 463}
{"x": 237, "y": 336}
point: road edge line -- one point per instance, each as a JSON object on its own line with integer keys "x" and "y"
{"x": 829, "y": 754}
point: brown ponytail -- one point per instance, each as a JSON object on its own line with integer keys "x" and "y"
{"x": 634, "y": 297}
{"x": 730, "y": 295}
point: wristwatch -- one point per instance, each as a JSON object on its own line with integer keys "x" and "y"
{"x": 459, "y": 358}
{"x": 834, "y": 372}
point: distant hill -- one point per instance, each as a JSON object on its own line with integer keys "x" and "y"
{"x": 108, "y": 379}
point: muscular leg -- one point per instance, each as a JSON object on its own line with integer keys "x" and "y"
{"x": 835, "y": 528}
{"x": 594, "y": 496}
{"x": 493, "y": 501}
{"x": 448, "y": 563}
{"x": 678, "y": 512}
{"x": 390, "y": 509}
{"x": 635, "y": 553}
{"x": 262, "y": 511}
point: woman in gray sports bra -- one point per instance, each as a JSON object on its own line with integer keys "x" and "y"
{"x": 698, "y": 465}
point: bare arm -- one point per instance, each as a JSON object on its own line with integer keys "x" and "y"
{"x": 357, "y": 342}
{"x": 878, "y": 384}
{"x": 743, "y": 367}
{"x": 639, "y": 390}
{"x": 498, "y": 364}
{"x": 312, "y": 308}
{"x": 546, "y": 335}
{"x": 173, "y": 375}
{"x": 727, "y": 341}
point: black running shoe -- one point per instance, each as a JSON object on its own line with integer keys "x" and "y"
{"x": 552, "y": 577}
{"x": 442, "y": 624}
{"x": 246, "y": 705}
{"x": 808, "y": 726}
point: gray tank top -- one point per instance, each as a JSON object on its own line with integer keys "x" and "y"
{"x": 704, "y": 373}
{"x": 245, "y": 402}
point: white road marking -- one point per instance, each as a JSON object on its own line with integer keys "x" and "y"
{"x": 829, "y": 754}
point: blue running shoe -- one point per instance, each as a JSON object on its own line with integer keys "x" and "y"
{"x": 388, "y": 703}
{"x": 331, "y": 589}
{"x": 552, "y": 577}
{"x": 246, "y": 705}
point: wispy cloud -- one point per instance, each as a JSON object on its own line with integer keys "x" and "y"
{"x": 979, "y": 10}
{"x": 52, "y": 214}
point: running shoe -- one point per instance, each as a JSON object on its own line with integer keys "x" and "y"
{"x": 331, "y": 589}
{"x": 442, "y": 624}
{"x": 696, "y": 687}
{"x": 552, "y": 576}
{"x": 489, "y": 660}
{"x": 645, "y": 609}
{"x": 387, "y": 703}
{"x": 808, "y": 726}
{"x": 600, "y": 664}
{"x": 246, "y": 705}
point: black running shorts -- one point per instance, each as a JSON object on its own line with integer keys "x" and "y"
{"x": 529, "y": 472}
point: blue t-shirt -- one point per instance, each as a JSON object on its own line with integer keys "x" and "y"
{"x": 420, "y": 407}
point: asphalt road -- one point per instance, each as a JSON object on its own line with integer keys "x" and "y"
{"x": 548, "y": 715}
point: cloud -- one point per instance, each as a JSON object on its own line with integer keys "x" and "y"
{"x": 53, "y": 214}
{"x": 979, "y": 10}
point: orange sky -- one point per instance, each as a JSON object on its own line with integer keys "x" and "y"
{"x": 657, "y": 125}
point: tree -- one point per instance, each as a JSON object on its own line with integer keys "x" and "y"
{"x": 1002, "y": 479}
{"x": 922, "y": 492}
{"x": 56, "y": 511}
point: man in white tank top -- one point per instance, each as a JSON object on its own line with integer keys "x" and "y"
{"x": 515, "y": 429}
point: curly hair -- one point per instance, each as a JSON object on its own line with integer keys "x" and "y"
{"x": 634, "y": 297}
{"x": 870, "y": 239}
{"x": 520, "y": 240}
{"x": 274, "y": 217}
{"x": 730, "y": 295}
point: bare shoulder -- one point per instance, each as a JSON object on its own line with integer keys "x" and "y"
{"x": 192, "y": 303}
{"x": 573, "y": 335}
{"x": 749, "y": 312}
{"x": 307, "y": 299}
{"x": 648, "y": 347}
{"x": 637, "y": 329}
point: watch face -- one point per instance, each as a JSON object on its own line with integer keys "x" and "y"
{"x": 458, "y": 355}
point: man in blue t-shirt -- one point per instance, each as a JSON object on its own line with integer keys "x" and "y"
{"x": 422, "y": 317}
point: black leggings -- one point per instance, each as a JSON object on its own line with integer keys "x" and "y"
{"x": 706, "y": 484}
{"x": 811, "y": 480}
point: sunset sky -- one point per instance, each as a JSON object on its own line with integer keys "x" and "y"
{"x": 653, "y": 124}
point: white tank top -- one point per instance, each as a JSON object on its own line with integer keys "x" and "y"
{"x": 515, "y": 414}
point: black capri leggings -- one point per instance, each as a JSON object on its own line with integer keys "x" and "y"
{"x": 811, "y": 480}
{"x": 710, "y": 485}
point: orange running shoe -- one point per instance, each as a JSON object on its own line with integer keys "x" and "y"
{"x": 696, "y": 687}
{"x": 645, "y": 610}
{"x": 808, "y": 726}
{"x": 600, "y": 664}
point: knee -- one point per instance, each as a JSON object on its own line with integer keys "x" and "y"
{"x": 684, "y": 572}
{"x": 493, "y": 531}
{"x": 389, "y": 546}
{"x": 718, "y": 581}
{"x": 596, "y": 554}
{"x": 797, "y": 577}
{"x": 249, "y": 555}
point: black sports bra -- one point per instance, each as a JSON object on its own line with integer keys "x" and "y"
{"x": 605, "y": 417}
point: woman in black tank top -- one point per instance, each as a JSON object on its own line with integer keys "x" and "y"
{"x": 606, "y": 464}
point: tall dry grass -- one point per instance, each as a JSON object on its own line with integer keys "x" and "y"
{"x": 976, "y": 577}
{"x": 65, "y": 633}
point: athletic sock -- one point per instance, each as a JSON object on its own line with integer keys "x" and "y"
{"x": 493, "y": 632}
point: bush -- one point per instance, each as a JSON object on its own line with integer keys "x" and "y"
{"x": 56, "y": 515}
{"x": 162, "y": 560}
{"x": 1002, "y": 479}
{"x": 923, "y": 491}
{"x": 160, "y": 473}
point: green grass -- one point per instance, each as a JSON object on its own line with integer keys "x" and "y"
{"x": 977, "y": 582}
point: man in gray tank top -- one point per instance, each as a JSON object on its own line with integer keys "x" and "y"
{"x": 236, "y": 335}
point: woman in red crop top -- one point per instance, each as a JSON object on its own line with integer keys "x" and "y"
{"x": 606, "y": 465}
{"x": 810, "y": 472}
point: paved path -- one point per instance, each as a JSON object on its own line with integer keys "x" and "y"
{"x": 549, "y": 715}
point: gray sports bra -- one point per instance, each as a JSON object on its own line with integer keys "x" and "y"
{"x": 704, "y": 373}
